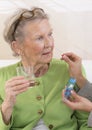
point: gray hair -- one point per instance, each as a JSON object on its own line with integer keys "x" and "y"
{"x": 14, "y": 27}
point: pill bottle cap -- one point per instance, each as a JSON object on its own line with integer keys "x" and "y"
{"x": 72, "y": 80}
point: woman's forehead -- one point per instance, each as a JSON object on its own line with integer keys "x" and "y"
{"x": 38, "y": 26}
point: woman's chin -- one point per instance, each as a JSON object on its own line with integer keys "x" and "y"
{"x": 47, "y": 60}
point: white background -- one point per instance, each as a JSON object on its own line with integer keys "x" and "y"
{"x": 70, "y": 19}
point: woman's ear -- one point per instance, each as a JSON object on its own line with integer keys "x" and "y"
{"x": 15, "y": 47}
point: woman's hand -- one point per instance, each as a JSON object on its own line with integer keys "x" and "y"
{"x": 75, "y": 67}
{"x": 77, "y": 102}
{"x": 13, "y": 87}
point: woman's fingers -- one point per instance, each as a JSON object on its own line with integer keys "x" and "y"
{"x": 21, "y": 91}
{"x": 17, "y": 81}
{"x": 16, "y": 85}
{"x": 16, "y": 78}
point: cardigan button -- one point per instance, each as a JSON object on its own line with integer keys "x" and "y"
{"x": 37, "y": 83}
{"x": 39, "y": 97}
{"x": 40, "y": 112}
{"x": 50, "y": 126}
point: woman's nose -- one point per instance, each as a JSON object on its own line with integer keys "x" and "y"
{"x": 48, "y": 42}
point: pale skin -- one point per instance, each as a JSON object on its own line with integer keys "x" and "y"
{"x": 13, "y": 87}
{"x": 75, "y": 67}
{"x": 78, "y": 102}
{"x": 36, "y": 50}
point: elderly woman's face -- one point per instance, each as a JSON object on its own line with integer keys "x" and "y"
{"x": 38, "y": 42}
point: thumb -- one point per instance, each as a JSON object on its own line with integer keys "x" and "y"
{"x": 75, "y": 96}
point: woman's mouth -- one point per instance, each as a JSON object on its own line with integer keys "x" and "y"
{"x": 47, "y": 53}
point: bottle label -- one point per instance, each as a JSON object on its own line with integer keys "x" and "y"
{"x": 69, "y": 87}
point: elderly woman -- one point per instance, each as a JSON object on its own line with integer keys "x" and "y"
{"x": 38, "y": 107}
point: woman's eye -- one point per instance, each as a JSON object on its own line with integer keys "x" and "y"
{"x": 50, "y": 34}
{"x": 40, "y": 38}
